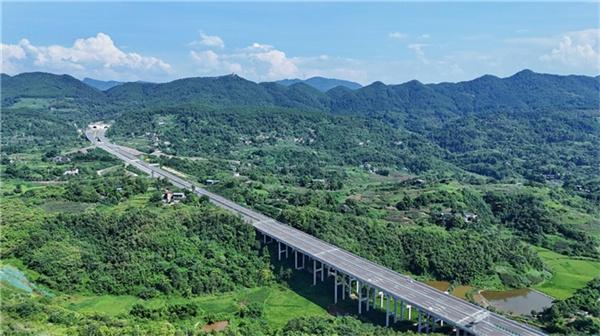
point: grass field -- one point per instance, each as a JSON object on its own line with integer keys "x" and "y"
{"x": 280, "y": 304}
{"x": 65, "y": 206}
{"x": 32, "y": 103}
{"x": 569, "y": 273}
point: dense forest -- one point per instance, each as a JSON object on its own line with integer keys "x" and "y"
{"x": 464, "y": 182}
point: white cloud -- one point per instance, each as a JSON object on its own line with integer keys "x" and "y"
{"x": 206, "y": 59}
{"x": 398, "y": 35}
{"x": 209, "y": 62}
{"x": 210, "y": 41}
{"x": 10, "y": 55}
{"x": 95, "y": 56}
{"x": 257, "y": 61}
{"x": 418, "y": 49}
{"x": 425, "y": 36}
{"x": 578, "y": 49}
{"x": 279, "y": 64}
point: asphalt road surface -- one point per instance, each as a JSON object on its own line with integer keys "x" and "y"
{"x": 452, "y": 310}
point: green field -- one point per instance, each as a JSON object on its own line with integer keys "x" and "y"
{"x": 280, "y": 304}
{"x": 569, "y": 273}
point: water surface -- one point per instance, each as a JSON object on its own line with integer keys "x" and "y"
{"x": 518, "y": 301}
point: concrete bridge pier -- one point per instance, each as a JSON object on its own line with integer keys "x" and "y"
{"x": 361, "y": 298}
{"x": 344, "y": 287}
{"x": 359, "y": 293}
{"x": 402, "y": 307}
{"x": 427, "y": 323}
{"x": 296, "y": 265}
{"x": 388, "y": 311}
{"x": 336, "y": 283}
{"x": 367, "y": 299}
{"x": 396, "y": 309}
{"x": 315, "y": 270}
{"x": 281, "y": 251}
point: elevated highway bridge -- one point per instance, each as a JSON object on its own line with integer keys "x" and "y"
{"x": 352, "y": 274}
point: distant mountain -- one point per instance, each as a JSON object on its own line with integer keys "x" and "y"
{"x": 321, "y": 83}
{"x": 525, "y": 91}
{"x": 492, "y": 118}
{"x": 46, "y": 85}
{"x": 299, "y": 95}
{"x": 100, "y": 84}
{"x": 225, "y": 90}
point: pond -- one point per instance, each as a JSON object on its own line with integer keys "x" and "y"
{"x": 518, "y": 301}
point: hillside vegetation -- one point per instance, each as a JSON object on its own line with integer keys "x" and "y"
{"x": 490, "y": 183}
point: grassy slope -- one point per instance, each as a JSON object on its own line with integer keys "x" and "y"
{"x": 281, "y": 304}
{"x": 569, "y": 273}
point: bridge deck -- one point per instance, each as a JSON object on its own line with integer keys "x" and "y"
{"x": 453, "y": 310}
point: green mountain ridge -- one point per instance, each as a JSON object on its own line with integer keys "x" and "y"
{"x": 101, "y": 84}
{"x": 321, "y": 83}
{"x": 46, "y": 85}
{"x": 525, "y": 90}
{"x": 491, "y": 126}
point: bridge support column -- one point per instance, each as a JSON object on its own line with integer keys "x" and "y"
{"x": 427, "y": 323}
{"x": 335, "y": 287}
{"x": 315, "y": 270}
{"x": 296, "y": 260}
{"x": 368, "y": 294}
{"x": 409, "y": 307}
{"x": 281, "y": 251}
{"x": 387, "y": 311}
{"x": 402, "y": 306}
{"x": 419, "y": 326}
{"x": 343, "y": 286}
{"x": 435, "y": 322}
{"x": 381, "y": 298}
{"x": 362, "y": 299}
{"x": 374, "y": 298}
{"x": 395, "y": 310}
{"x": 359, "y": 293}
{"x": 322, "y": 271}
{"x": 266, "y": 239}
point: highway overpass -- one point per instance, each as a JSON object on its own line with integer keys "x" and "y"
{"x": 352, "y": 274}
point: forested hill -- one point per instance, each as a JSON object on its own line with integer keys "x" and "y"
{"x": 321, "y": 83}
{"x": 100, "y": 84}
{"x": 45, "y": 85}
{"x": 523, "y": 91}
{"x": 537, "y": 126}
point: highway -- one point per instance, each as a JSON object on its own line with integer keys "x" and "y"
{"x": 459, "y": 313}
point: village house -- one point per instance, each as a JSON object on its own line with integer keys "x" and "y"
{"x": 71, "y": 172}
{"x": 469, "y": 217}
{"x": 170, "y": 197}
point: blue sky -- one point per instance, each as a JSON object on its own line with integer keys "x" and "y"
{"x": 390, "y": 42}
